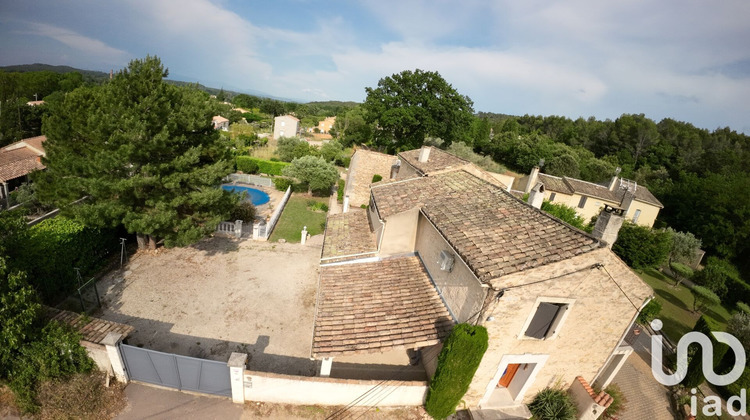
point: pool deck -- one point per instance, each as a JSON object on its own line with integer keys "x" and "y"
{"x": 264, "y": 210}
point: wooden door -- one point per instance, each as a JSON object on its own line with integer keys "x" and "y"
{"x": 508, "y": 375}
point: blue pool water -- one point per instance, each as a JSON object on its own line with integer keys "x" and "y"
{"x": 258, "y": 197}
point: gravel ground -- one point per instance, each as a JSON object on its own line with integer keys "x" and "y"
{"x": 220, "y": 296}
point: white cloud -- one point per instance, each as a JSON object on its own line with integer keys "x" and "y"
{"x": 77, "y": 41}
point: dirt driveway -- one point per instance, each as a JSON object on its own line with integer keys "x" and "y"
{"x": 220, "y": 296}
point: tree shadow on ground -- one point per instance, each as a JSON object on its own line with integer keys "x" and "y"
{"x": 218, "y": 244}
{"x": 669, "y": 297}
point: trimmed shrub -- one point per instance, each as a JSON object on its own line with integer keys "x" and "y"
{"x": 317, "y": 206}
{"x": 553, "y": 404}
{"x": 649, "y": 312}
{"x": 376, "y": 178}
{"x": 694, "y": 375}
{"x": 282, "y": 184}
{"x": 245, "y": 164}
{"x": 743, "y": 307}
{"x": 458, "y": 361}
{"x": 565, "y": 213}
{"x": 681, "y": 270}
{"x": 642, "y": 247}
{"x": 703, "y": 297}
{"x": 340, "y": 191}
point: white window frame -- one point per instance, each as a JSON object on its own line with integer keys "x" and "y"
{"x": 636, "y": 215}
{"x": 559, "y": 322}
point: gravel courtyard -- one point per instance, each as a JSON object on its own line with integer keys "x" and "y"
{"x": 219, "y": 296}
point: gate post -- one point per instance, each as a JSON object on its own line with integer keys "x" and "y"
{"x": 236, "y": 365}
{"x": 112, "y": 343}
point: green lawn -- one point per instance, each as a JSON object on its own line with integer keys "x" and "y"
{"x": 296, "y": 215}
{"x": 677, "y": 305}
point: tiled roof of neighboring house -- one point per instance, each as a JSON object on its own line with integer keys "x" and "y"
{"x": 34, "y": 103}
{"x": 643, "y": 194}
{"x": 18, "y": 162}
{"x": 348, "y": 234}
{"x": 437, "y": 161}
{"x": 591, "y": 189}
{"x": 495, "y": 233}
{"x": 36, "y": 143}
{"x": 363, "y": 166}
{"x": 376, "y": 307}
{"x": 219, "y": 119}
{"x": 91, "y": 329}
{"x": 554, "y": 183}
{"x": 288, "y": 116}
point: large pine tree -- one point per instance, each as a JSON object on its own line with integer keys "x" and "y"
{"x": 143, "y": 152}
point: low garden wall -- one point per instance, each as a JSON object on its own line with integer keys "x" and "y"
{"x": 277, "y": 388}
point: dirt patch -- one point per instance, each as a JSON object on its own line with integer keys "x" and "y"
{"x": 221, "y": 296}
{"x": 82, "y": 396}
{"x": 255, "y": 410}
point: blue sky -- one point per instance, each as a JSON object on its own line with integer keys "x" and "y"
{"x": 688, "y": 60}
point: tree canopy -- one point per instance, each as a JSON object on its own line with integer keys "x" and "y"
{"x": 142, "y": 152}
{"x": 411, "y": 105}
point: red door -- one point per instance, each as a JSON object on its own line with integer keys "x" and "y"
{"x": 508, "y": 375}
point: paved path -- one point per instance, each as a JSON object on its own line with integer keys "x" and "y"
{"x": 646, "y": 398}
{"x": 147, "y": 402}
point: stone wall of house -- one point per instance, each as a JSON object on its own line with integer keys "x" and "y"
{"x": 596, "y": 320}
{"x": 399, "y": 233}
{"x": 460, "y": 289}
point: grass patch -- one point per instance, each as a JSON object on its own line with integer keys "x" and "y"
{"x": 298, "y": 214}
{"x": 677, "y": 304}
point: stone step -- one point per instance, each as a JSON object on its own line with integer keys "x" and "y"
{"x": 513, "y": 412}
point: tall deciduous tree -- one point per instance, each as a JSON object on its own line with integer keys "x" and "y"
{"x": 411, "y": 105}
{"x": 143, "y": 152}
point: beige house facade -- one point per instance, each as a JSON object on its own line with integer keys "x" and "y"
{"x": 326, "y": 125}
{"x": 588, "y": 198}
{"x": 285, "y": 126}
{"x": 555, "y": 301}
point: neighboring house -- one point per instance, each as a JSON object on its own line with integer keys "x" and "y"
{"x": 588, "y": 198}
{"x": 220, "y": 123}
{"x": 441, "y": 245}
{"x": 17, "y": 161}
{"x": 326, "y": 125}
{"x": 285, "y": 126}
{"x": 35, "y": 103}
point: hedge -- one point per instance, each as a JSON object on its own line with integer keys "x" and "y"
{"x": 737, "y": 290}
{"x": 457, "y": 363}
{"x": 245, "y": 164}
{"x": 694, "y": 375}
{"x": 53, "y": 247}
{"x": 340, "y": 191}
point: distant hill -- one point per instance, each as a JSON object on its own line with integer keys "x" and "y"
{"x": 88, "y": 75}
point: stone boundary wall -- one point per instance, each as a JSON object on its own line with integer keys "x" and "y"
{"x": 277, "y": 388}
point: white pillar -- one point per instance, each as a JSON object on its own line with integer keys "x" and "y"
{"x": 238, "y": 228}
{"x": 304, "y": 235}
{"x": 256, "y": 230}
{"x": 236, "y": 365}
{"x": 112, "y": 342}
{"x": 325, "y": 367}
{"x": 346, "y": 203}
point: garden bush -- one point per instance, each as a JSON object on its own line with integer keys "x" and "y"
{"x": 317, "y": 206}
{"x": 702, "y": 297}
{"x": 553, "y": 404}
{"x": 457, "y": 363}
{"x": 244, "y": 164}
{"x": 282, "y": 184}
{"x": 649, "y": 312}
{"x": 642, "y": 247}
{"x": 565, "y": 213}
{"x": 245, "y": 211}
{"x": 618, "y": 402}
{"x": 694, "y": 375}
{"x": 376, "y": 178}
{"x": 340, "y": 191}
{"x": 53, "y": 247}
{"x": 743, "y": 307}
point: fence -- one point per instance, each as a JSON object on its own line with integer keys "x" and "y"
{"x": 276, "y": 214}
{"x": 88, "y": 294}
{"x": 230, "y": 228}
{"x": 250, "y": 179}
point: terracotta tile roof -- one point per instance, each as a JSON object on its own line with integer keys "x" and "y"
{"x": 554, "y": 183}
{"x": 438, "y": 160}
{"x": 92, "y": 329}
{"x": 364, "y": 165}
{"x": 643, "y": 194}
{"x": 375, "y": 307}
{"x": 495, "y": 233}
{"x": 348, "y": 234}
{"x": 219, "y": 119}
{"x": 591, "y": 189}
{"x": 18, "y": 162}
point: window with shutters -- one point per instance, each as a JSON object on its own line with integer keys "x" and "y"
{"x": 552, "y": 196}
{"x": 547, "y": 319}
{"x": 582, "y": 202}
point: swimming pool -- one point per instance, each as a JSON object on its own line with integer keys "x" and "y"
{"x": 257, "y": 197}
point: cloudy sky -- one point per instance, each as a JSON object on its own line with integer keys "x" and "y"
{"x": 688, "y": 60}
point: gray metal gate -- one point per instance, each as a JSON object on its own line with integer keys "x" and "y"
{"x": 175, "y": 371}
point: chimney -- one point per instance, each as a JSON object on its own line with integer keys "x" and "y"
{"x": 608, "y": 225}
{"x": 627, "y": 199}
{"x": 395, "y": 168}
{"x": 613, "y": 181}
{"x": 533, "y": 176}
{"x": 536, "y": 196}
{"x": 424, "y": 153}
